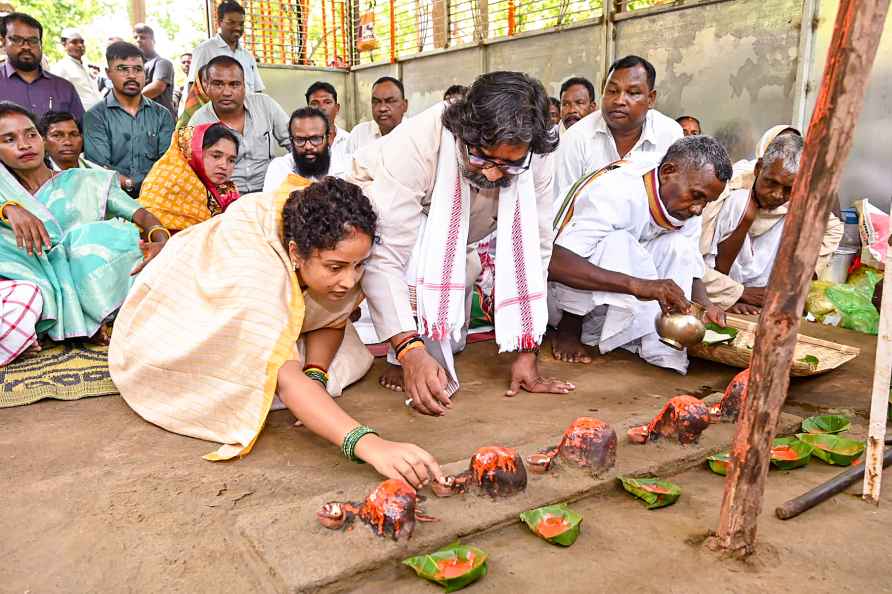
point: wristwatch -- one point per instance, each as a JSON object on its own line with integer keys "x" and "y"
{"x": 128, "y": 185}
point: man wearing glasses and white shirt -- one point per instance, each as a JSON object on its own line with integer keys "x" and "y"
{"x": 259, "y": 122}
{"x": 440, "y": 182}
{"x": 311, "y": 156}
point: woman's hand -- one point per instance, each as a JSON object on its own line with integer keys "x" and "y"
{"x": 525, "y": 375}
{"x": 149, "y": 251}
{"x": 399, "y": 460}
{"x": 30, "y": 234}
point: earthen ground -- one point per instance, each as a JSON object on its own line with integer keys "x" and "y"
{"x": 97, "y": 500}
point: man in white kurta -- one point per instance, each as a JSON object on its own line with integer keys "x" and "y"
{"x": 630, "y": 249}
{"x": 400, "y": 174}
{"x": 743, "y": 229}
{"x": 626, "y": 127}
{"x": 72, "y": 68}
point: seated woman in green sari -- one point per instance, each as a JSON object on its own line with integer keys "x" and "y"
{"x": 71, "y": 233}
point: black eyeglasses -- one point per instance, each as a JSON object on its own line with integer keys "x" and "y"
{"x": 506, "y": 168}
{"x": 302, "y": 140}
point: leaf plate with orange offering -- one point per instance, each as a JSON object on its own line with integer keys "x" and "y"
{"x": 453, "y": 567}
{"x": 557, "y": 524}
{"x": 833, "y": 449}
{"x": 655, "y": 493}
{"x": 788, "y": 453}
{"x": 719, "y": 463}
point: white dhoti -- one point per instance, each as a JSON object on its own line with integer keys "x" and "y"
{"x": 613, "y": 320}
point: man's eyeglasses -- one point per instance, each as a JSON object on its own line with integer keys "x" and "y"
{"x": 302, "y": 140}
{"x": 514, "y": 168}
{"x": 20, "y": 41}
{"x": 129, "y": 70}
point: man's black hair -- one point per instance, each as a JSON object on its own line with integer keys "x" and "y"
{"x": 632, "y": 61}
{"x": 20, "y": 17}
{"x": 302, "y": 113}
{"x": 121, "y": 50}
{"x": 228, "y": 6}
{"x": 578, "y": 80}
{"x": 321, "y": 85}
{"x": 503, "y": 108}
{"x": 55, "y": 117}
{"x": 390, "y": 79}
{"x": 223, "y": 62}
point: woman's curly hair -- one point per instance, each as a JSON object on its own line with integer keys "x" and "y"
{"x": 324, "y": 213}
{"x": 503, "y": 108}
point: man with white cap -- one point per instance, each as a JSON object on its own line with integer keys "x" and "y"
{"x": 73, "y": 69}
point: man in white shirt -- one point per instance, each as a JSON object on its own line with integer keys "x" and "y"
{"x": 626, "y": 126}
{"x": 72, "y": 68}
{"x": 742, "y": 230}
{"x": 577, "y": 100}
{"x": 440, "y": 182}
{"x": 310, "y": 155}
{"x": 257, "y": 120}
{"x": 324, "y": 97}
{"x": 630, "y": 249}
{"x": 389, "y": 105}
{"x": 231, "y": 27}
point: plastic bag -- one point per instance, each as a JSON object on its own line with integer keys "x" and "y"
{"x": 366, "y": 40}
{"x": 856, "y": 309}
{"x": 874, "y": 227}
{"x": 819, "y": 306}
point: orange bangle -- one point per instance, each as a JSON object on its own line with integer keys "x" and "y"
{"x": 3, "y": 207}
{"x": 415, "y": 345}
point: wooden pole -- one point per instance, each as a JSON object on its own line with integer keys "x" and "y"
{"x": 879, "y": 402}
{"x": 856, "y": 35}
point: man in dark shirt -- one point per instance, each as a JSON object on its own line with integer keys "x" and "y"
{"x": 23, "y": 80}
{"x": 126, "y": 131}
{"x": 159, "y": 71}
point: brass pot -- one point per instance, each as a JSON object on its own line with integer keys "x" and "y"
{"x": 682, "y": 330}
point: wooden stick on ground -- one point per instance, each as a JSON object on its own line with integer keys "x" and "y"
{"x": 879, "y": 401}
{"x": 859, "y": 24}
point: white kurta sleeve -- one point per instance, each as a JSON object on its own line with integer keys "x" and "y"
{"x": 599, "y": 210}
{"x": 543, "y": 180}
{"x": 396, "y": 173}
{"x": 569, "y": 166}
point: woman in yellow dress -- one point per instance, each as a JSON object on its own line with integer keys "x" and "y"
{"x": 251, "y": 306}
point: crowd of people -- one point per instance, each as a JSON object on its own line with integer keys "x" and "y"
{"x": 226, "y": 275}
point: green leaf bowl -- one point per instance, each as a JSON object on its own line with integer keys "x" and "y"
{"x": 719, "y": 463}
{"x": 833, "y": 449}
{"x": 712, "y": 330}
{"x": 453, "y": 567}
{"x": 826, "y": 424}
{"x": 557, "y": 524}
{"x": 788, "y": 453}
{"x": 655, "y": 493}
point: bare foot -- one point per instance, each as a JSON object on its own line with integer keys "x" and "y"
{"x": 392, "y": 378}
{"x": 565, "y": 343}
{"x": 33, "y": 349}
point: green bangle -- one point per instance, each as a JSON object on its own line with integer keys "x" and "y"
{"x": 318, "y": 375}
{"x": 348, "y": 447}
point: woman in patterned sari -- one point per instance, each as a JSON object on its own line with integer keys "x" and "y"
{"x": 191, "y": 182}
{"x": 70, "y": 234}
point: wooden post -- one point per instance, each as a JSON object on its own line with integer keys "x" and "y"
{"x": 879, "y": 402}
{"x": 859, "y": 25}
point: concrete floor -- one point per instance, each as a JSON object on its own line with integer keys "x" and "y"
{"x": 96, "y": 499}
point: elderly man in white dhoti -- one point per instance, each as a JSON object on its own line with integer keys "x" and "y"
{"x": 440, "y": 182}
{"x": 742, "y": 230}
{"x": 628, "y": 248}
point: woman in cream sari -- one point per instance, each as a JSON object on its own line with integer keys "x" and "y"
{"x": 251, "y": 306}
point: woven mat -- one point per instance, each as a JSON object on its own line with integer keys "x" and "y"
{"x": 67, "y": 371}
